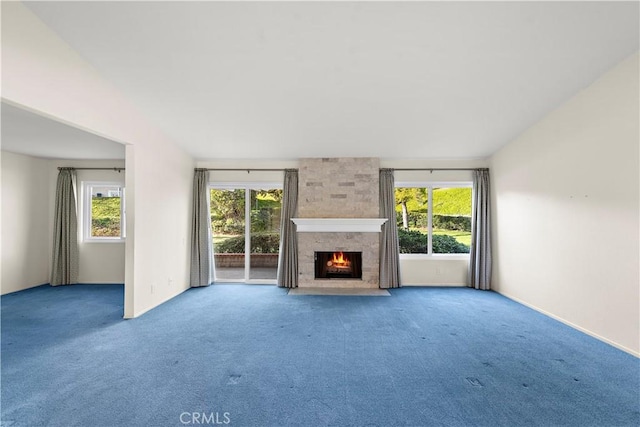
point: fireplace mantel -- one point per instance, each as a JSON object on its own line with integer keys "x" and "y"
{"x": 339, "y": 225}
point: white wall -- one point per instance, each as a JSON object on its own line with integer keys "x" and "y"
{"x": 162, "y": 179}
{"x": 25, "y": 222}
{"x": 566, "y": 197}
{"x": 242, "y": 175}
{"x": 100, "y": 262}
{"x": 40, "y": 72}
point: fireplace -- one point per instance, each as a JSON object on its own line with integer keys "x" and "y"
{"x": 338, "y": 210}
{"x": 338, "y": 265}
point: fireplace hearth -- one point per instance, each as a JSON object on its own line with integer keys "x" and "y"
{"x": 338, "y": 265}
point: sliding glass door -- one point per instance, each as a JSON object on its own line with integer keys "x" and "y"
{"x": 245, "y": 221}
{"x": 228, "y": 226}
{"x": 265, "y": 233}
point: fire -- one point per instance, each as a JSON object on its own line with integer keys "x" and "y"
{"x": 339, "y": 260}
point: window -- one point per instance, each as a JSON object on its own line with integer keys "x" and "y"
{"x": 103, "y": 213}
{"x": 434, "y": 219}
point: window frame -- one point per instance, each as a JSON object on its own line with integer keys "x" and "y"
{"x": 87, "y": 187}
{"x": 430, "y": 185}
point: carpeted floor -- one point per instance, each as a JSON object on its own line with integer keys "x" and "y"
{"x": 246, "y": 355}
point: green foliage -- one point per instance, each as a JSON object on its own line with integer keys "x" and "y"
{"x": 451, "y": 222}
{"x": 443, "y": 244}
{"x": 446, "y": 201}
{"x": 232, "y": 245}
{"x": 412, "y": 242}
{"x": 415, "y": 242}
{"x": 228, "y": 210}
{"x": 415, "y": 199}
{"x": 417, "y": 220}
{"x": 261, "y": 243}
{"x": 463, "y": 237}
{"x": 105, "y": 216}
{"x": 105, "y": 207}
{"x": 452, "y": 201}
{"x": 274, "y": 197}
{"x": 451, "y": 208}
{"x": 265, "y": 219}
{"x": 265, "y": 243}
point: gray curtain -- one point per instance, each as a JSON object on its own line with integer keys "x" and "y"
{"x": 64, "y": 268}
{"x": 288, "y": 259}
{"x": 480, "y": 260}
{"x": 202, "y": 266}
{"x": 389, "y": 246}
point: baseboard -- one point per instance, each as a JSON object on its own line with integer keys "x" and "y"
{"x": 23, "y": 289}
{"x": 100, "y": 283}
{"x": 434, "y": 285}
{"x": 573, "y": 325}
{"x": 170, "y": 297}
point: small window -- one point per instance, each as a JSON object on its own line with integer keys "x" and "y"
{"x": 103, "y": 213}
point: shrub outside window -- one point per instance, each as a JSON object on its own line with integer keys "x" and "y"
{"x": 103, "y": 214}
{"x": 434, "y": 219}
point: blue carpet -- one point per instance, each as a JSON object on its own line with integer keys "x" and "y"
{"x": 252, "y": 356}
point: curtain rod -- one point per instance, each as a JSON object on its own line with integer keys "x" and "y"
{"x": 395, "y": 169}
{"x": 92, "y": 169}
{"x": 440, "y": 169}
{"x": 247, "y": 170}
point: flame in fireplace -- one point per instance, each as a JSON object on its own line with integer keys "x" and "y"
{"x": 339, "y": 260}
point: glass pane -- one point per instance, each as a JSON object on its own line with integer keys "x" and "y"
{"x": 265, "y": 233}
{"x": 228, "y": 225}
{"x": 106, "y": 211}
{"x": 411, "y": 213}
{"x": 451, "y": 220}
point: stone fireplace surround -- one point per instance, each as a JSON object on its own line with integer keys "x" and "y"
{"x": 338, "y": 188}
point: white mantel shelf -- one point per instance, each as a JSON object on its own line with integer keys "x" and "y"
{"x": 339, "y": 225}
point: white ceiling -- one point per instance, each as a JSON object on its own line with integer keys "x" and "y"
{"x": 27, "y": 133}
{"x": 383, "y": 79}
